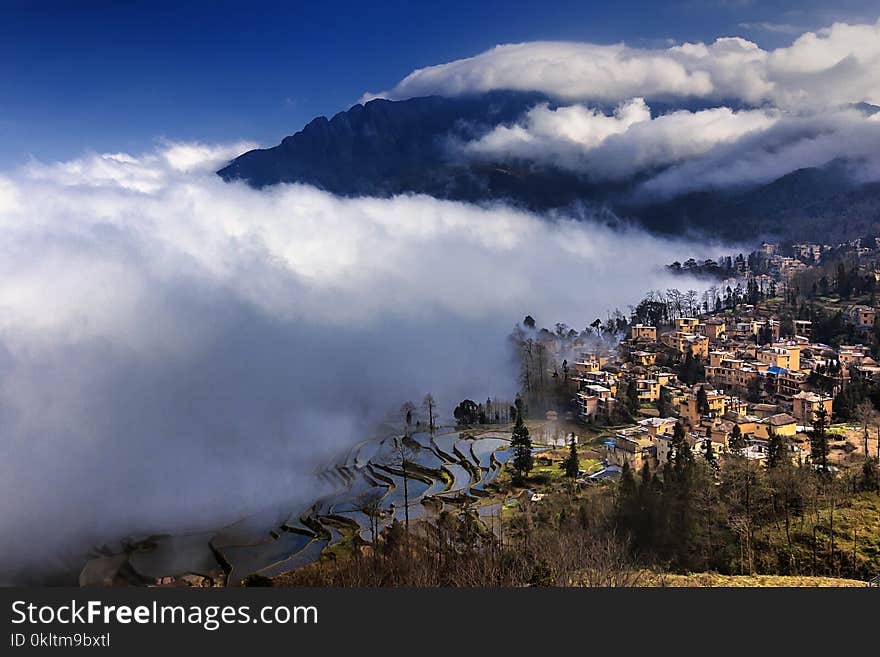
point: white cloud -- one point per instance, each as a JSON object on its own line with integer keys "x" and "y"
{"x": 792, "y": 143}
{"x": 147, "y": 173}
{"x": 544, "y": 131}
{"x": 835, "y": 65}
{"x": 175, "y": 350}
{"x": 585, "y": 140}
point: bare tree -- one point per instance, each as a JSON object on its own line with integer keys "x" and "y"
{"x": 402, "y": 455}
{"x": 370, "y": 504}
{"x": 867, "y": 415}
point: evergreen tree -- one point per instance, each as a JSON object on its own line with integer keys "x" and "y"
{"x": 843, "y": 282}
{"x": 572, "y": 463}
{"x": 737, "y": 442}
{"x": 775, "y": 450}
{"x": 680, "y": 494}
{"x": 686, "y": 367}
{"x": 690, "y": 370}
{"x": 708, "y": 450}
{"x": 521, "y": 444}
{"x": 682, "y": 456}
{"x": 632, "y": 397}
{"x": 646, "y": 527}
{"x": 664, "y": 403}
{"x": 702, "y": 401}
{"x": 627, "y": 500}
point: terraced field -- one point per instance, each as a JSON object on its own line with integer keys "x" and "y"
{"x": 445, "y": 471}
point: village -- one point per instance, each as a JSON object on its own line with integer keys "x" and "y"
{"x": 792, "y": 338}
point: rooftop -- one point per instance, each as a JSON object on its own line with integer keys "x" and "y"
{"x": 657, "y": 421}
{"x": 780, "y": 419}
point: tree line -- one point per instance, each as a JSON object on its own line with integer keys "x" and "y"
{"x": 736, "y": 517}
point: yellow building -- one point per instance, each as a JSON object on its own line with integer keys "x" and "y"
{"x": 645, "y": 358}
{"x": 789, "y": 384}
{"x": 644, "y": 332}
{"x": 686, "y": 325}
{"x": 782, "y": 424}
{"x": 807, "y": 403}
{"x": 718, "y": 436}
{"x": 788, "y": 357}
{"x": 665, "y": 378}
{"x": 747, "y": 424}
{"x": 732, "y": 374}
{"x": 649, "y": 390}
{"x": 691, "y": 414}
{"x": 586, "y": 365}
{"x": 700, "y": 347}
{"x": 863, "y": 315}
{"x": 633, "y": 446}
{"x": 600, "y": 378}
{"x": 715, "y": 357}
{"x": 659, "y": 425}
{"x": 852, "y": 354}
{"x": 683, "y": 342}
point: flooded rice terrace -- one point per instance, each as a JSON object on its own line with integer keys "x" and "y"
{"x": 445, "y": 471}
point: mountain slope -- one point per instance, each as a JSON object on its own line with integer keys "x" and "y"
{"x": 382, "y": 147}
{"x": 391, "y": 147}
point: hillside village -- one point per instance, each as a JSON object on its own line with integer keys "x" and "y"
{"x": 783, "y": 340}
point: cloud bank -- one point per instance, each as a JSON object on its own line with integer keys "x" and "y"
{"x": 585, "y": 140}
{"x": 176, "y": 351}
{"x": 791, "y": 143}
{"x": 760, "y": 113}
{"x": 683, "y": 151}
{"x": 833, "y": 66}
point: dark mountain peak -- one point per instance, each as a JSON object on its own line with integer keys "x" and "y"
{"x": 867, "y": 108}
{"x": 389, "y": 147}
{"x": 367, "y": 148}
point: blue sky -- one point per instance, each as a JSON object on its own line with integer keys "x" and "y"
{"x": 77, "y": 76}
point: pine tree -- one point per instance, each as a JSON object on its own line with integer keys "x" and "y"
{"x": 708, "y": 451}
{"x": 702, "y": 401}
{"x": 775, "y": 449}
{"x": 685, "y": 369}
{"x": 647, "y": 521}
{"x": 521, "y": 444}
{"x": 680, "y": 488}
{"x": 682, "y": 456}
{"x": 627, "y": 499}
{"x": 572, "y": 463}
{"x": 737, "y": 442}
{"x": 632, "y": 397}
{"x": 664, "y": 404}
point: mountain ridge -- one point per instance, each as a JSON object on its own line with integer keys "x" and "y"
{"x": 384, "y": 147}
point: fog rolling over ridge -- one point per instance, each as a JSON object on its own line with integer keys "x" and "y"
{"x": 723, "y": 137}
{"x": 176, "y": 351}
